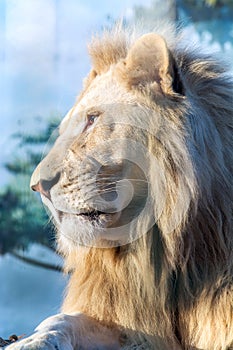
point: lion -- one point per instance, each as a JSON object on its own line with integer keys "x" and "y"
{"x": 139, "y": 184}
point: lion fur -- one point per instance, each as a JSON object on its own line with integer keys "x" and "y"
{"x": 171, "y": 290}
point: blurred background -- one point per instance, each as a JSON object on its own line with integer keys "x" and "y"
{"x": 43, "y": 59}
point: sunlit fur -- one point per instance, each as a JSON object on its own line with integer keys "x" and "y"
{"x": 170, "y": 290}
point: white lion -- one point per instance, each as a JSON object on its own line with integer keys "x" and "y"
{"x": 139, "y": 183}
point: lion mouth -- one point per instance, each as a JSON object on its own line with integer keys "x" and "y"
{"x": 93, "y": 215}
{"x": 89, "y": 214}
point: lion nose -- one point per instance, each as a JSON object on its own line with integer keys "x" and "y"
{"x": 44, "y": 186}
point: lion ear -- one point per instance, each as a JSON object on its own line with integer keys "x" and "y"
{"x": 149, "y": 61}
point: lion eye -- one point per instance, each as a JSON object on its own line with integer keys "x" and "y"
{"x": 91, "y": 119}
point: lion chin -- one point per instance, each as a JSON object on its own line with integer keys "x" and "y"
{"x": 139, "y": 183}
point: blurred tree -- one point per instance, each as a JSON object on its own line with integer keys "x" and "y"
{"x": 170, "y": 10}
{"x": 207, "y": 10}
{"x": 211, "y": 17}
{"x": 22, "y": 215}
{"x": 218, "y": 3}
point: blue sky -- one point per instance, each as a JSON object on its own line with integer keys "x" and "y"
{"x": 32, "y": 23}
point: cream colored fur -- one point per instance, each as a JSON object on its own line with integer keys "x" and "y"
{"x": 171, "y": 287}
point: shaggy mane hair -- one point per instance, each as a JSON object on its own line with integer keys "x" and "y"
{"x": 171, "y": 290}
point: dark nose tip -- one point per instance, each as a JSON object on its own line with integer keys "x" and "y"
{"x": 44, "y": 186}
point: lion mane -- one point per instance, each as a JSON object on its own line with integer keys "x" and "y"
{"x": 172, "y": 287}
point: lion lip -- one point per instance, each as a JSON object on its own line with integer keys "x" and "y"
{"x": 94, "y": 216}
{"x": 91, "y": 215}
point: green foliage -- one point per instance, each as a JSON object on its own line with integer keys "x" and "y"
{"x": 23, "y": 219}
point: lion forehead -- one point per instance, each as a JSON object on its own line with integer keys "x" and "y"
{"x": 105, "y": 89}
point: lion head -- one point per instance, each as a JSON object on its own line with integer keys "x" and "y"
{"x": 99, "y": 178}
{"x": 139, "y": 185}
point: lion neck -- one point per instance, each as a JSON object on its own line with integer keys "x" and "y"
{"x": 112, "y": 286}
